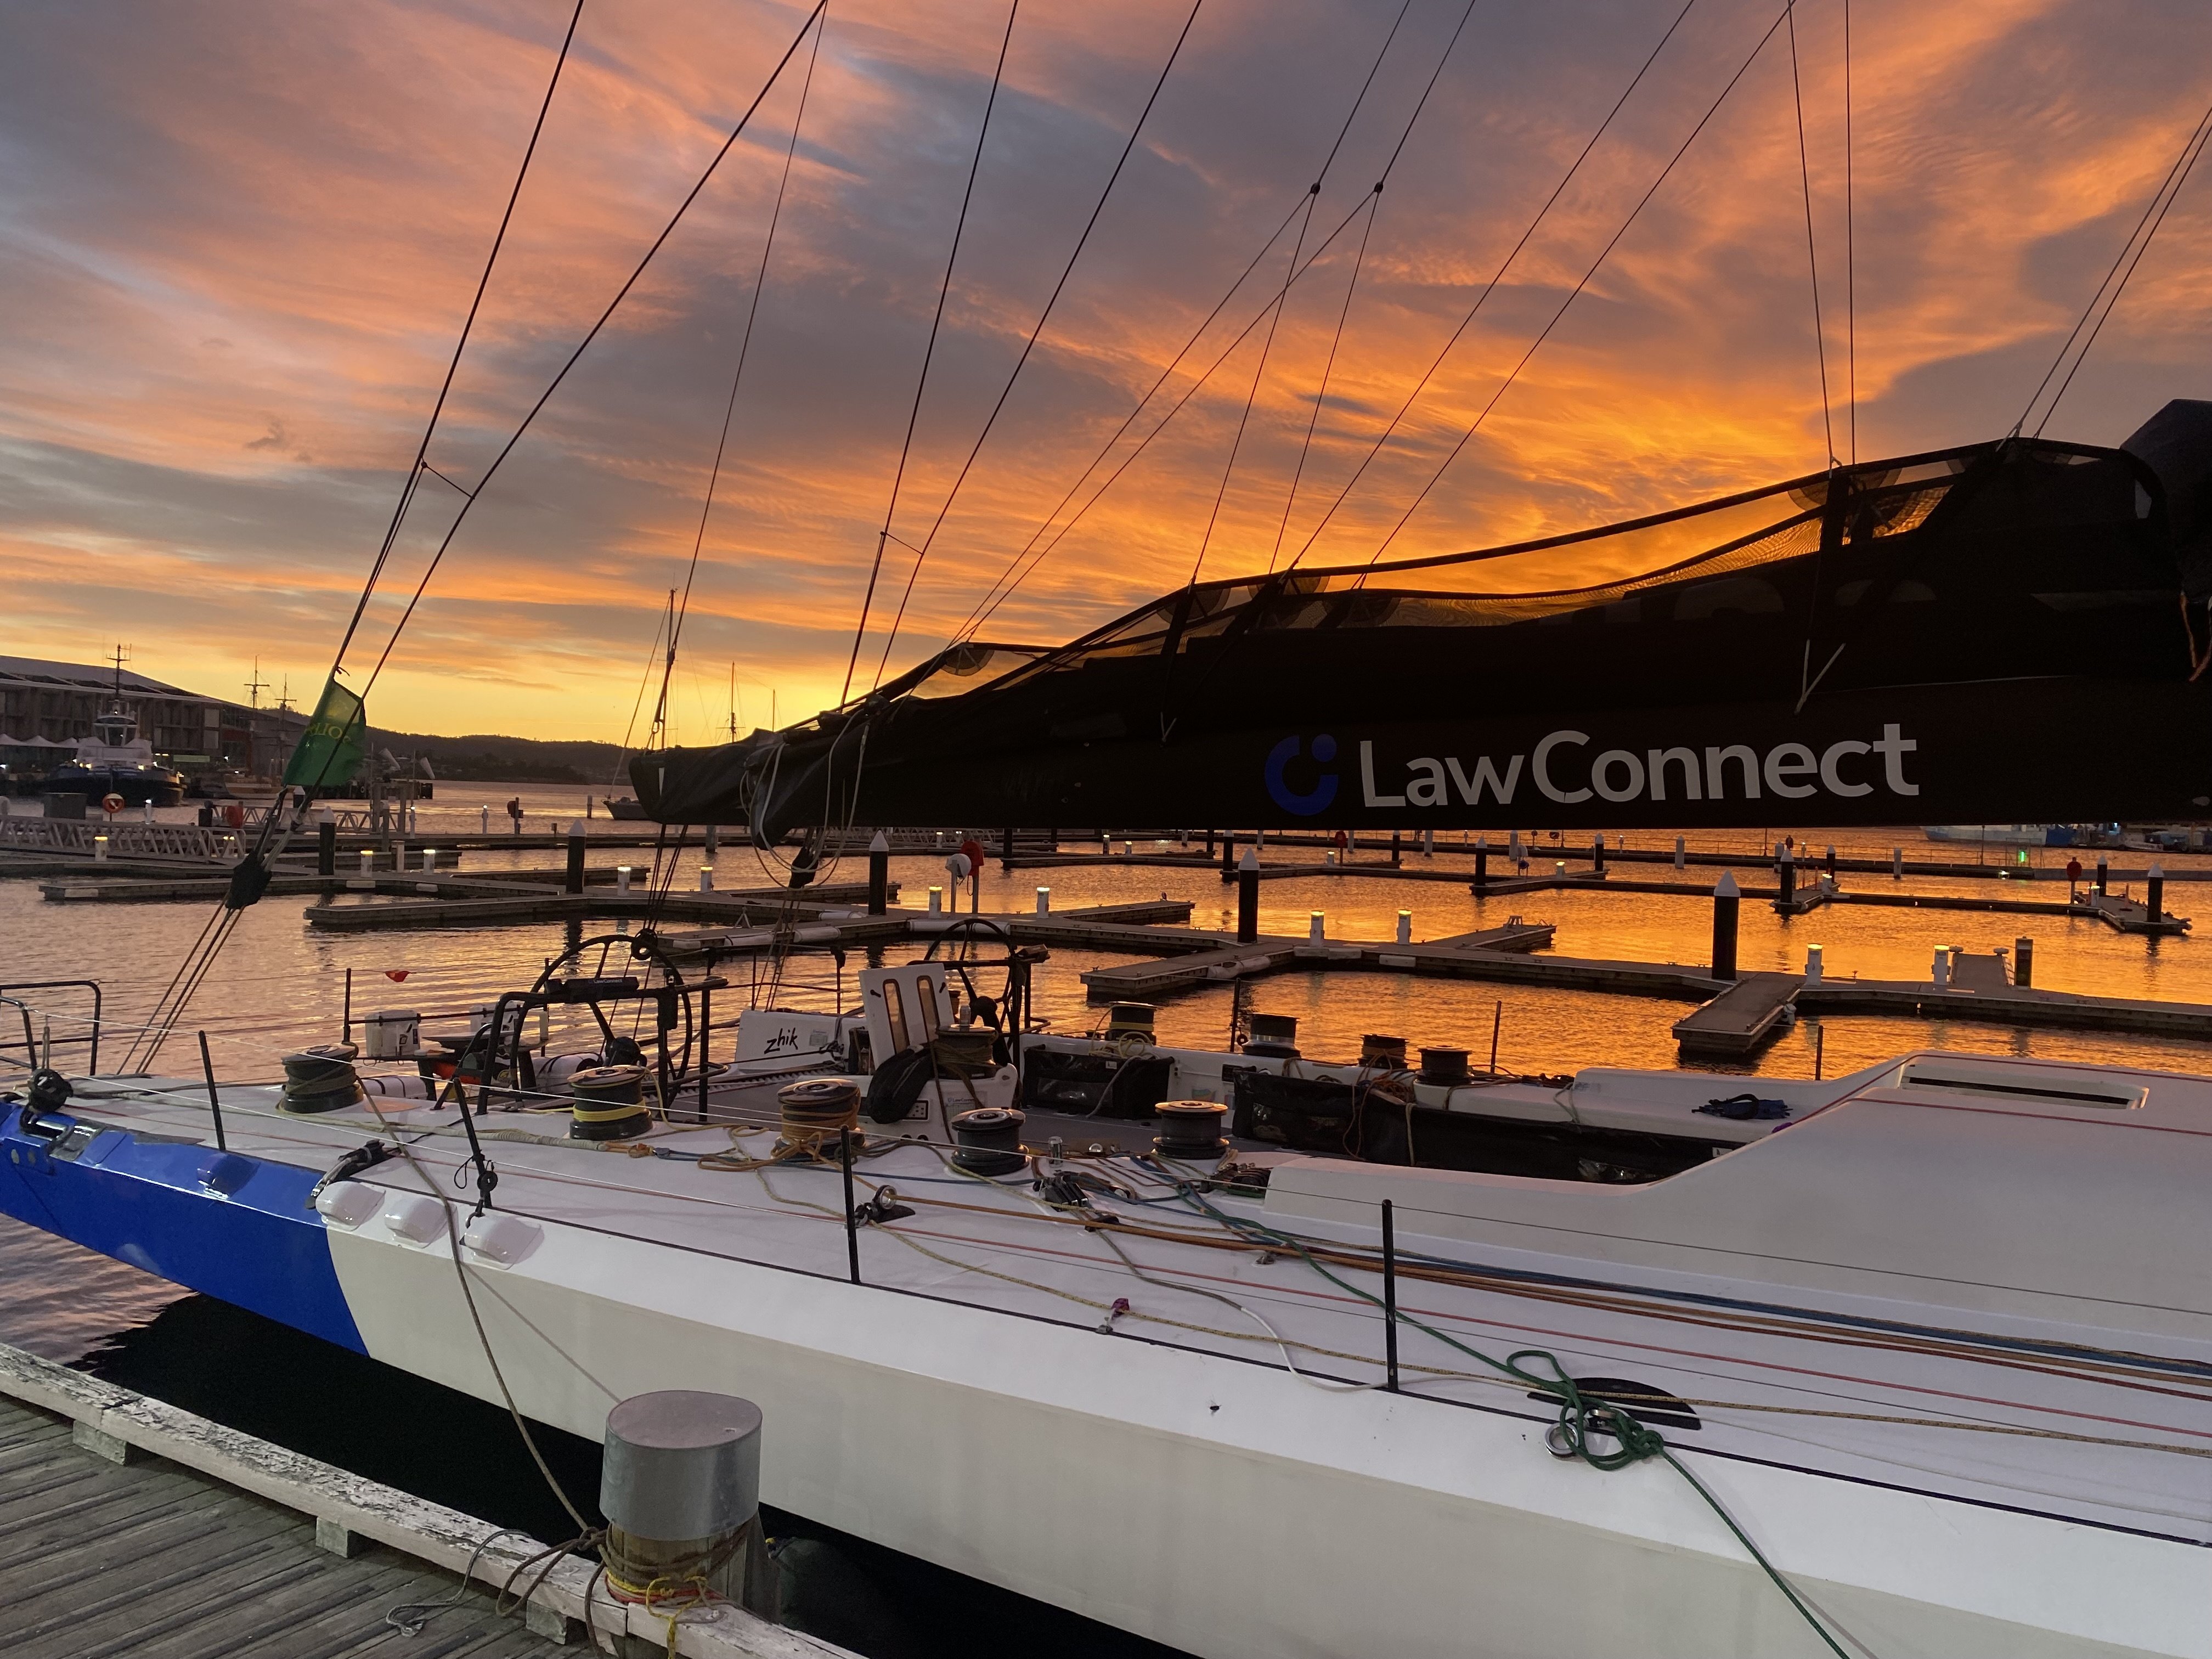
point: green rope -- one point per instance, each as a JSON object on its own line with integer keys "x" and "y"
{"x": 1580, "y": 1416}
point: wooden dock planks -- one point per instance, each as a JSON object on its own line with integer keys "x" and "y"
{"x": 1741, "y": 1020}
{"x": 152, "y": 1561}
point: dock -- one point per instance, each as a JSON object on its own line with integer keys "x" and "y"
{"x": 2128, "y": 915}
{"x": 159, "y": 1535}
{"x": 1741, "y": 1020}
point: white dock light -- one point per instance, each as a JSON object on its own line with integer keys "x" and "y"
{"x": 706, "y": 878}
{"x": 1813, "y": 964}
{"x": 1044, "y": 901}
{"x": 937, "y": 901}
{"x": 1314, "y": 931}
{"x": 99, "y": 847}
{"x": 621, "y": 877}
{"x": 430, "y": 860}
{"x": 1943, "y": 967}
{"x": 1405, "y": 927}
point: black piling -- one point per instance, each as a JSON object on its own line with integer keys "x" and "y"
{"x": 2104, "y": 874}
{"x": 1597, "y": 854}
{"x": 1390, "y": 1299}
{"x": 1397, "y": 850}
{"x": 1229, "y": 855}
{"x": 1247, "y": 899}
{"x": 1209, "y": 843}
{"x": 713, "y": 841}
{"x": 1482, "y": 866}
{"x": 2155, "y": 892}
{"x": 1727, "y": 899}
{"x": 2023, "y": 963}
{"x": 326, "y": 847}
{"x": 1785, "y": 873}
{"x": 879, "y": 875}
{"x": 214, "y": 1105}
{"x": 575, "y": 884}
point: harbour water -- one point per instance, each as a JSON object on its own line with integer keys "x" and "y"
{"x": 280, "y": 986}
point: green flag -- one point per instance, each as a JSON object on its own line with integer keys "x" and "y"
{"x": 331, "y": 747}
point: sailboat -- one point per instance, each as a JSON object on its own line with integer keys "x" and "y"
{"x": 1254, "y": 1353}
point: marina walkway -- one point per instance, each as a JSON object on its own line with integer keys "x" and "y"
{"x": 152, "y": 1561}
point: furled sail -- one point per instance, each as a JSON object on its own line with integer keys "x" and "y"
{"x": 2009, "y": 631}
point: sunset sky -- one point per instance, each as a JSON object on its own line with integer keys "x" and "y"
{"x": 238, "y": 238}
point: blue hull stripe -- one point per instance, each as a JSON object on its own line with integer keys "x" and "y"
{"x": 233, "y": 1226}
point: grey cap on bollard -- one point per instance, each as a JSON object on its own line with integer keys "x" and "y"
{"x": 681, "y": 1464}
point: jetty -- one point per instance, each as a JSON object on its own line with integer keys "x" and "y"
{"x": 163, "y": 1535}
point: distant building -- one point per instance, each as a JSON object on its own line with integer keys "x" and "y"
{"x": 45, "y": 707}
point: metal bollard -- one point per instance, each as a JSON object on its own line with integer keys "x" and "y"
{"x": 680, "y": 1487}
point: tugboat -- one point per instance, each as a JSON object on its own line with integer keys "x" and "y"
{"x": 117, "y": 762}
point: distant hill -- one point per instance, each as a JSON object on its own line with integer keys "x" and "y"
{"x": 507, "y": 760}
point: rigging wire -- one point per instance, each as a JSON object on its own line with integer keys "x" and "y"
{"x": 1291, "y": 274}
{"x": 989, "y": 601}
{"x": 1850, "y": 255}
{"x": 2154, "y": 215}
{"x": 1030, "y": 344}
{"x": 1329, "y": 369}
{"x": 1812, "y": 254}
{"x": 1130, "y": 459}
{"x": 1491, "y": 287}
{"x": 738, "y": 379}
{"x": 960, "y": 225}
{"x": 468, "y": 323}
{"x": 1603, "y": 253}
{"x": 621, "y": 293}
{"x": 193, "y": 970}
{"x": 2205, "y": 132}
{"x": 1366, "y": 205}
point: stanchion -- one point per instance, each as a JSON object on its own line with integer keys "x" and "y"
{"x": 1390, "y": 1299}
{"x": 214, "y": 1105}
{"x": 852, "y": 1226}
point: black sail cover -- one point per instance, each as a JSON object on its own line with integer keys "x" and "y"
{"x": 2008, "y": 632}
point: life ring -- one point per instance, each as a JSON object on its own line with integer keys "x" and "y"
{"x": 112, "y": 803}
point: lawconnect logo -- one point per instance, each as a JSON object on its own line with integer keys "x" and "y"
{"x": 1317, "y": 799}
{"x": 1564, "y": 771}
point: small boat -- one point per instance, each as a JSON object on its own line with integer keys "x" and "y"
{"x": 117, "y": 762}
{"x": 624, "y": 807}
{"x": 2006, "y": 834}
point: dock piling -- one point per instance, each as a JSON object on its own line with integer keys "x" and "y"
{"x": 1785, "y": 873}
{"x": 1597, "y": 854}
{"x": 2154, "y": 891}
{"x": 2104, "y": 875}
{"x": 1229, "y": 855}
{"x": 574, "y": 882}
{"x": 1728, "y": 900}
{"x": 1481, "y": 864}
{"x": 879, "y": 867}
{"x": 1397, "y": 851}
{"x": 1497, "y": 1023}
{"x": 1248, "y": 898}
{"x": 2023, "y": 963}
{"x": 326, "y": 847}
{"x": 1897, "y": 864}
{"x": 1681, "y": 853}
